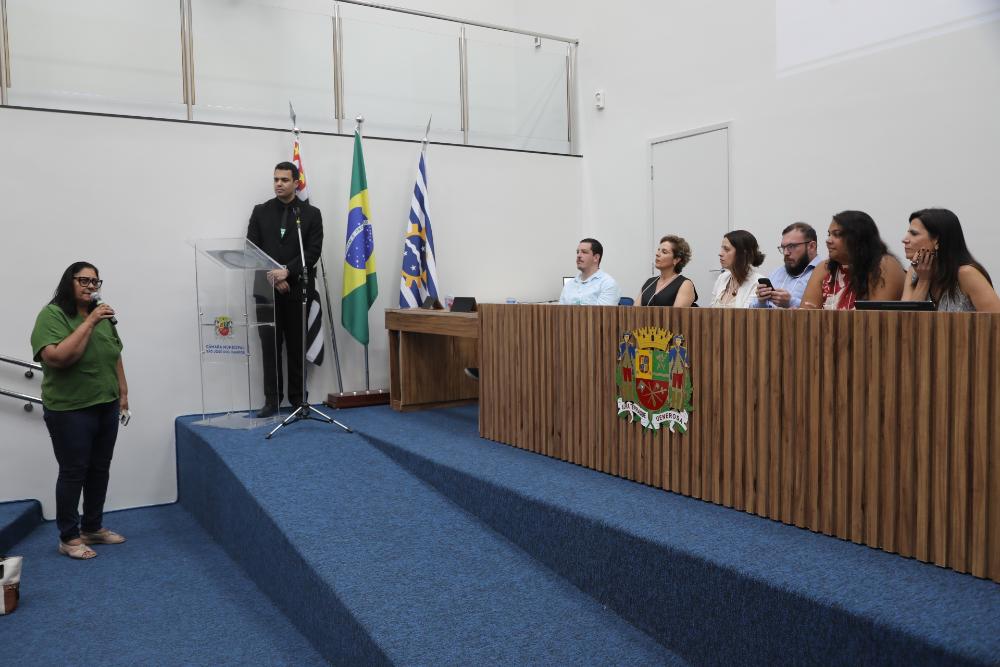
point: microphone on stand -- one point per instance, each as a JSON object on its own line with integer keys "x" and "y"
{"x": 95, "y": 298}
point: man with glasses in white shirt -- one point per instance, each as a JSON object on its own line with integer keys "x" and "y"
{"x": 788, "y": 282}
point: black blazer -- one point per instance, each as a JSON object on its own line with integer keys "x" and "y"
{"x": 265, "y": 231}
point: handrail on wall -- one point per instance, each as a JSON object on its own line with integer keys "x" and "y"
{"x": 29, "y": 400}
{"x": 30, "y": 365}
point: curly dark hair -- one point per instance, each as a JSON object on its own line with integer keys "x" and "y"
{"x": 866, "y": 249}
{"x": 681, "y": 248}
{"x": 747, "y": 253}
{"x": 65, "y": 296}
{"x": 952, "y": 253}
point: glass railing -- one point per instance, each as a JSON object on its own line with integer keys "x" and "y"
{"x": 398, "y": 89}
{"x": 518, "y": 91}
{"x": 250, "y": 59}
{"x": 243, "y": 63}
{"x": 116, "y": 56}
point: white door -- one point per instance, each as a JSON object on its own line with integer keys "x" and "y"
{"x": 690, "y": 194}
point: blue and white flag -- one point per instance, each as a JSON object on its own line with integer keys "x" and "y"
{"x": 418, "y": 277}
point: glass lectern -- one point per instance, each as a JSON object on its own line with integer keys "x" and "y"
{"x": 235, "y": 317}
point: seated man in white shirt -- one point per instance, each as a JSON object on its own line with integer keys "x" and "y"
{"x": 788, "y": 282}
{"x": 590, "y": 287}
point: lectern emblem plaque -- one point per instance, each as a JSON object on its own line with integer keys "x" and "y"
{"x": 653, "y": 376}
{"x": 223, "y": 326}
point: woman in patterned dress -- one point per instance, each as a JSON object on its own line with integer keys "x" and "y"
{"x": 859, "y": 267}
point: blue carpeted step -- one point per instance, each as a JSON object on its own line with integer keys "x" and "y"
{"x": 167, "y": 596}
{"x": 17, "y": 519}
{"x": 378, "y": 568}
{"x": 718, "y": 585}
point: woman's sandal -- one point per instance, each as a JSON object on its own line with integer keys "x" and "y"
{"x": 79, "y": 551}
{"x": 103, "y": 536}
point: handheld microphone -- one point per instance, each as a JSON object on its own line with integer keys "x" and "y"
{"x": 95, "y": 298}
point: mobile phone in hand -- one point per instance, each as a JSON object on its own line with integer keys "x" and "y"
{"x": 766, "y": 282}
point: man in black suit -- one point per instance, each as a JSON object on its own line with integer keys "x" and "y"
{"x": 273, "y": 229}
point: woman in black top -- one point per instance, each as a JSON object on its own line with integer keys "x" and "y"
{"x": 670, "y": 288}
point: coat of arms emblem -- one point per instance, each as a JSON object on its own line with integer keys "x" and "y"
{"x": 653, "y": 375}
{"x": 223, "y": 326}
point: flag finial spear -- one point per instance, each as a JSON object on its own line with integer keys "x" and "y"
{"x": 360, "y": 121}
{"x": 428, "y": 130}
{"x": 291, "y": 114}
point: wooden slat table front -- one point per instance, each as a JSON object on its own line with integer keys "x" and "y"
{"x": 881, "y": 428}
{"x": 428, "y": 352}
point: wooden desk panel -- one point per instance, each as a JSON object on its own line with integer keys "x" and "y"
{"x": 428, "y": 354}
{"x": 879, "y": 428}
{"x": 439, "y": 322}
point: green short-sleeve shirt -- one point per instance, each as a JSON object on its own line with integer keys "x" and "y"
{"x": 93, "y": 379}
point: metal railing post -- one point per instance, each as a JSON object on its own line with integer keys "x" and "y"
{"x": 4, "y": 54}
{"x": 187, "y": 58}
{"x": 190, "y": 58}
{"x": 338, "y": 67}
{"x": 571, "y": 96}
{"x": 185, "y": 70}
{"x": 184, "y": 67}
{"x": 463, "y": 83}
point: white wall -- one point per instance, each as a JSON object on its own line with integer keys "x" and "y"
{"x": 127, "y": 195}
{"x": 887, "y": 132}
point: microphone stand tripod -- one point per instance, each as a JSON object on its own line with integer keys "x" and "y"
{"x": 304, "y": 411}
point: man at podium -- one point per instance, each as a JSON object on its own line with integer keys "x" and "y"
{"x": 274, "y": 229}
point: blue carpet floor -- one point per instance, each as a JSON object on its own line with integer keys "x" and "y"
{"x": 717, "y": 585}
{"x": 376, "y": 567}
{"x": 168, "y": 596}
{"x": 414, "y": 542}
{"x": 17, "y": 519}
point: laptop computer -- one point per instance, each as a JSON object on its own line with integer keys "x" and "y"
{"x": 895, "y": 305}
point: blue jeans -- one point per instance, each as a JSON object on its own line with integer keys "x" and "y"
{"x": 83, "y": 442}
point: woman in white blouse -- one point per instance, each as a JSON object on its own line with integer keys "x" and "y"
{"x": 737, "y": 285}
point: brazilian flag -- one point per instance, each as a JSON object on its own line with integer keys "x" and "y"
{"x": 360, "y": 282}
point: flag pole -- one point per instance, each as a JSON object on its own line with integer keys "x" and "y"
{"x": 359, "y": 120}
{"x": 368, "y": 385}
{"x": 427, "y": 132}
{"x": 333, "y": 330}
{"x": 360, "y": 280}
{"x": 295, "y": 124}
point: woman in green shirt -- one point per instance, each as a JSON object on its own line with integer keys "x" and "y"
{"x": 83, "y": 390}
